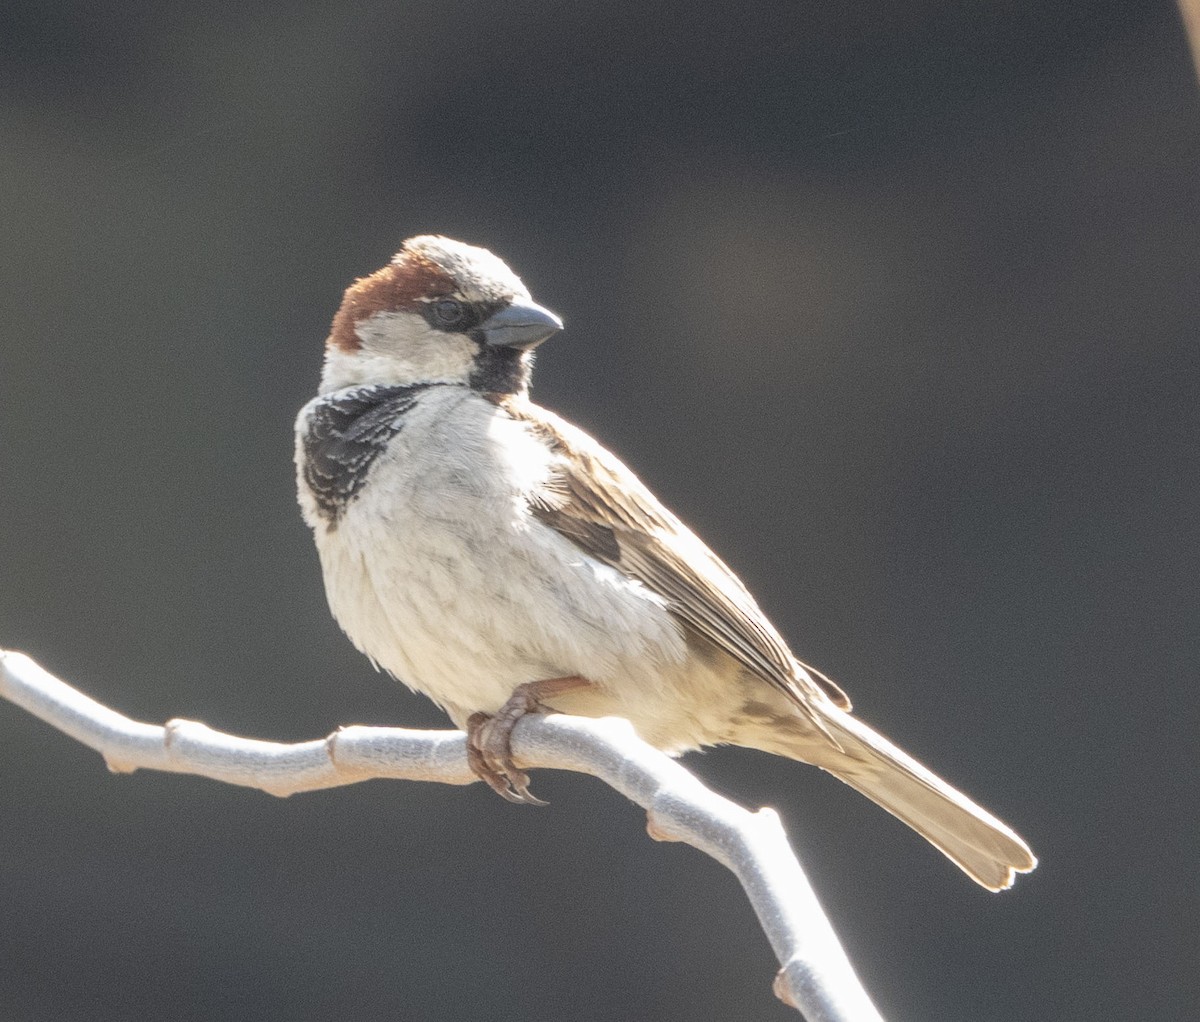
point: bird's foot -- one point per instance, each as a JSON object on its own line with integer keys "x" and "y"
{"x": 489, "y": 738}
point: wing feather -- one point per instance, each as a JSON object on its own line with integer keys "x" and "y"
{"x": 600, "y": 505}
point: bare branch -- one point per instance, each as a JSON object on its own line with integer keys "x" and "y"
{"x": 816, "y": 977}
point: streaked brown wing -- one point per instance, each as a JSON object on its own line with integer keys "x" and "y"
{"x": 602, "y": 507}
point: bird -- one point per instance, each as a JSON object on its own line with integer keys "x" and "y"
{"x": 496, "y": 558}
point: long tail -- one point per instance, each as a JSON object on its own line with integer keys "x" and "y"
{"x": 989, "y": 852}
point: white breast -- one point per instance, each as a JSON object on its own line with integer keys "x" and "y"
{"x": 438, "y": 572}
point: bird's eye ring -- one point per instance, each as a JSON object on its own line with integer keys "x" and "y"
{"x": 449, "y": 312}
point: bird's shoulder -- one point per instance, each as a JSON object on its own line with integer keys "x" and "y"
{"x": 593, "y": 499}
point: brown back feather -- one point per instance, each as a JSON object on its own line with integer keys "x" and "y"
{"x": 603, "y": 508}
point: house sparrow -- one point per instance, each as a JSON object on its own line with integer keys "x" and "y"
{"x": 498, "y": 559}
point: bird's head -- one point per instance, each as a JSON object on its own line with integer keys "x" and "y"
{"x": 439, "y": 312}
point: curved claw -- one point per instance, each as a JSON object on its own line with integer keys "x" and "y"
{"x": 489, "y": 739}
{"x": 489, "y": 755}
{"x": 481, "y": 766}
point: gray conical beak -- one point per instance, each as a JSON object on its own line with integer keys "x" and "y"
{"x": 520, "y": 325}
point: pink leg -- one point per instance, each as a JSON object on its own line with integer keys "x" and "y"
{"x": 489, "y": 738}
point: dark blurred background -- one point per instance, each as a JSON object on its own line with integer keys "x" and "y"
{"x": 897, "y": 304}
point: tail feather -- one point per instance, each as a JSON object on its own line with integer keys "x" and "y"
{"x": 988, "y": 851}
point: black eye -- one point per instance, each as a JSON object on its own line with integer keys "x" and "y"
{"x": 449, "y": 312}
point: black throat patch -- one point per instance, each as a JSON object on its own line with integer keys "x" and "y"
{"x": 499, "y": 370}
{"x": 346, "y": 433}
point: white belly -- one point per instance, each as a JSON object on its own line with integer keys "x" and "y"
{"x": 441, "y": 576}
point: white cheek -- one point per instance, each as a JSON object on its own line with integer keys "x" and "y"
{"x": 401, "y": 348}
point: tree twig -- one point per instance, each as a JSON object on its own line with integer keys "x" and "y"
{"x": 816, "y": 977}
